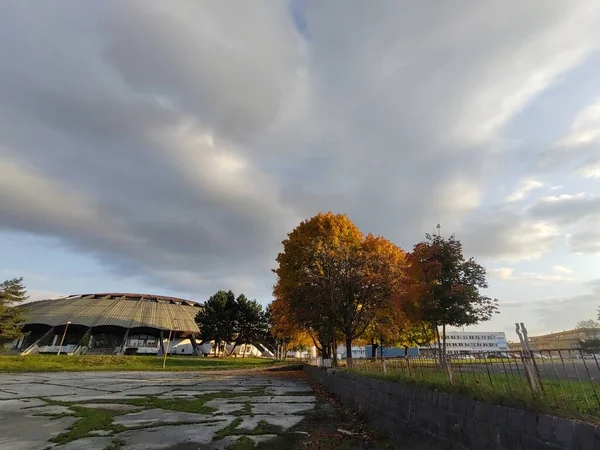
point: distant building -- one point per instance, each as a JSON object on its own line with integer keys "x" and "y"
{"x": 466, "y": 342}
{"x": 392, "y": 352}
{"x": 566, "y": 340}
{"x": 357, "y": 352}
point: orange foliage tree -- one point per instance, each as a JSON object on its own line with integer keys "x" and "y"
{"x": 285, "y": 334}
{"x": 334, "y": 279}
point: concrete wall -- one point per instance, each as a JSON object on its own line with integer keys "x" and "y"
{"x": 445, "y": 421}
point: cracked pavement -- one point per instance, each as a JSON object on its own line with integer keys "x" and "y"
{"x": 147, "y": 410}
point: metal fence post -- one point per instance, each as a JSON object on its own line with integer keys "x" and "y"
{"x": 533, "y": 375}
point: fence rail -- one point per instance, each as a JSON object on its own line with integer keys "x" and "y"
{"x": 561, "y": 381}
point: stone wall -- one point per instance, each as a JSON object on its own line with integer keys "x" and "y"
{"x": 415, "y": 416}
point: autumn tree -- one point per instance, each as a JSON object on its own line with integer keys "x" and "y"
{"x": 333, "y": 279}
{"x": 444, "y": 289}
{"x": 308, "y": 274}
{"x": 414, "y": 333}
{"x": 284, "y": 334}
{"x": 12, "y": 293}
{"x": 385, "y": 328}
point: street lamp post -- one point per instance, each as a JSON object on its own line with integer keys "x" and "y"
{"x": 167, "y": 349}
{"x": 63, "y": 338}
{"x": 168, "y": 341}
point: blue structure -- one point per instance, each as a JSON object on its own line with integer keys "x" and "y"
{"x": 392, "y": 352}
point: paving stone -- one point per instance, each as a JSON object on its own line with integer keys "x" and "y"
{"x": 186, "y": 394}
{"x": 284, "y": 399}
{"x": 88, "y": 443}
{"x": 21, "y": 429}
{"x": 227, "y": 406}
{"x": 36, "y": 389}
{"x": 101, "y": 432}
{"x": 285, "y": 422}
{"x": 161, "y": 416}
{"x": 281, "y": 408}
{"x": 27, "y": 432}
{"x": 147, "y": 390}
{"x": 93, "y": 398}
{"x": 10, "y": 407}
{"x": 109, "y": 406}
{"x": 170, "y": 436}
{"x": 49, "y": 409}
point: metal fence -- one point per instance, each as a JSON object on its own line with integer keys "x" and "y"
{"x": 565, "y": 380}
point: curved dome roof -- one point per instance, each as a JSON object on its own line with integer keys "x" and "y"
{"x": 116, "y": 309}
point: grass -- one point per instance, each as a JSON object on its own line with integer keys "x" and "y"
{"x": 243, "y": 443}
{"x": 90, "y": 419}
{"x": 563, "y": 397}
{"x": 97, "y": 363}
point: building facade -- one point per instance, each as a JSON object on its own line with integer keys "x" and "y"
{"x": 467, "y": 342}
{"x": 578, "y": 339}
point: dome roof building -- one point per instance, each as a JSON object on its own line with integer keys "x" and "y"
{"x": 110, "y": 323}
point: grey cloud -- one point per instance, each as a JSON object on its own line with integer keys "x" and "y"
{"x": 564, "y": 312}
{"x": 503, "y": 234}
{"x": 182, "y": 141}
{"x": 587, "y": 241}
{"x": 567, "y": 208}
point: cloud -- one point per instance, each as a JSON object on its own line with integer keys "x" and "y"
{"x": 562, "y": 269}
{"x": 180, "y": 142}
{"x": 509, "y": 236}
{"x": 559, "y": 313}
{"x": 585, "y": 128}
{"x": 565, "y": 208}
{"x": 586, "y": 241}
{"x": 40, "y": 294}
{"x": 505, "y": 273}
{"x": 524, "y": 188}
{"x": 589, "y": 168}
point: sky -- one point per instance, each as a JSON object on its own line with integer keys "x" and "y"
{"x": 169, "y": 147}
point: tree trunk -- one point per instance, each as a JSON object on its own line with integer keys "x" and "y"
{"x": 444, "y": 341}
{"x": 374, "y": 349}
{"x": 334, "y": 351}
{"x": 232, "y": 349}
{"x": 439, "y": 345}
{"x": 349, "y": 352}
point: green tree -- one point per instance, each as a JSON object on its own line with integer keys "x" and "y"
{"x": 251, "y": 325}
{"x": 587, "y": 324}
{"x": 444, "y": 288}
{"x": 12, "y": 293}
{"x": 218, "y": 319}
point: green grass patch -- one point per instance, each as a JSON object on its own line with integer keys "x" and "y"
{"x": 228, "y": 430}
{"x": 243, "y": 443}
{"x": 90, "y": 419}
{"x": 567, "y": 398}
{"x": 97, "y": 363}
